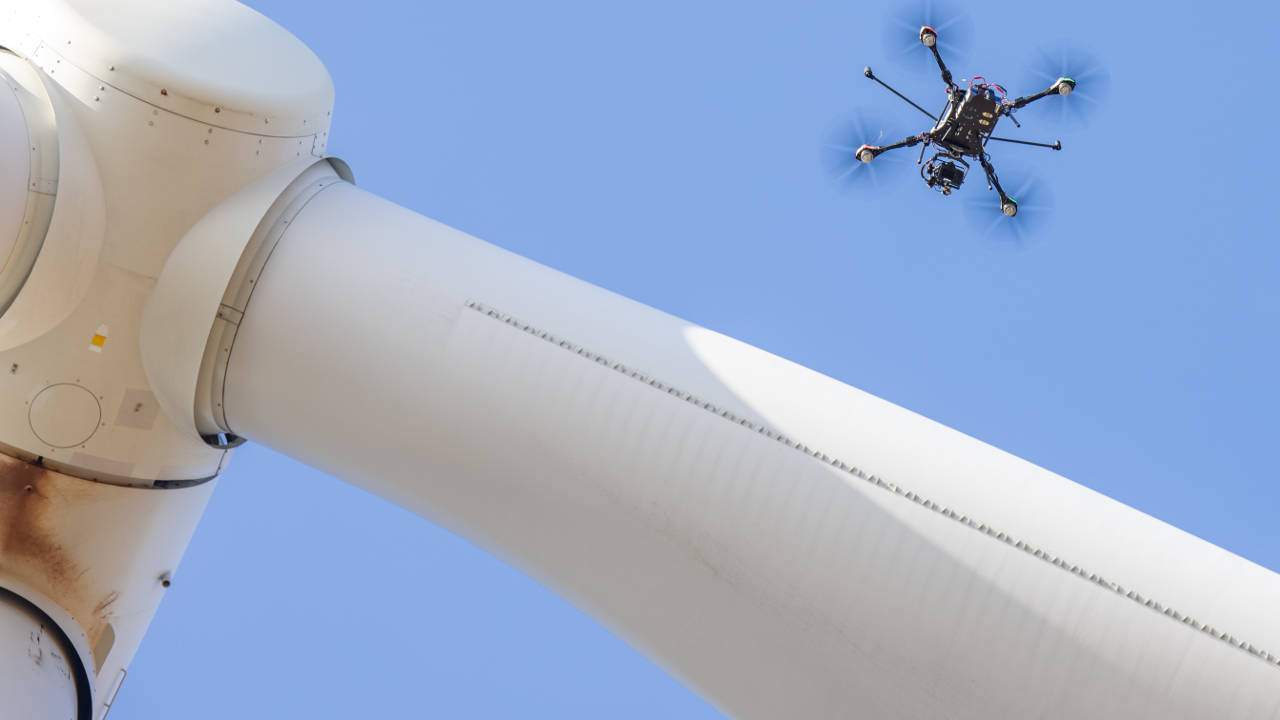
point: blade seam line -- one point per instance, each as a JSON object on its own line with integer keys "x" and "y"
{"x": 878, "y": 481}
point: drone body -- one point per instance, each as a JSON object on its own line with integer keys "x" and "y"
{"x": 964, "y": 127}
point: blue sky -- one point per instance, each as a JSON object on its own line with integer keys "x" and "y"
{"x": 669, "y": 151}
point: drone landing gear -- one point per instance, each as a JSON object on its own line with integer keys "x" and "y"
{"x": 1008, "y": 205}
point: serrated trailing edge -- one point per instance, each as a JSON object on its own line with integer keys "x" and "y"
{"x": 882, "y": 483}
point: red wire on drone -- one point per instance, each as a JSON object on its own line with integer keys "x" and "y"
{"x": 986, "y": 85}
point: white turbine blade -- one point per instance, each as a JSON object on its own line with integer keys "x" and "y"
{"x": 786, "y": 545}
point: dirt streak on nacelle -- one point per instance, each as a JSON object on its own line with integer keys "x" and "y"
{"x": 99, "y": 555}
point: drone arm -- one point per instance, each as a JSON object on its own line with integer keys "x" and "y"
{"x": 1056, "y": 145}
{"x": 992, "y": 179}
{"x": 908, "y": 142}
{"x": 867, "y": 71}
{"x": 1061, "y": 86}
{"x": 946, "y": 73}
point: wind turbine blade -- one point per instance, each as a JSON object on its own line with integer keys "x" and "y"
{"x": 786, "y": 545}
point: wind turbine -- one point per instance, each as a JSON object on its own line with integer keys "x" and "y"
{"x": 783, "y": 543}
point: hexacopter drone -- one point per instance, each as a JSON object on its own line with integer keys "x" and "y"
{"x": 964, "y": 127}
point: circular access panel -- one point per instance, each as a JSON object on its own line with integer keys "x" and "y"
{"x": 64, "y": 415}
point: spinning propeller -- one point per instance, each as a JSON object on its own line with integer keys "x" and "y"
{"x": 849, "y": 133}
{"x": 1083, "y": 72}
{"x": 952, "y": 27}
{"x": 1034, "y": 206}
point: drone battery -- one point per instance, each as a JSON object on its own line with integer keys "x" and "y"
{"x": 979, "y": 109}
{"x": 976, "y": 118}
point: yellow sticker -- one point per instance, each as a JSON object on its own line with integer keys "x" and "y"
{"x": 99, "y": 339}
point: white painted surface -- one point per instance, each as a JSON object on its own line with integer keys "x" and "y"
{"x": 160, "y": 112}
{"x": 174, "y": 120}
{"x": 213, "y": 61}
{"x": 177, "y": 318}
{"x": 72, "y": 244}
{"x": 15, "y": 166}
{"x": 92, "y": 556}
{"x": 714, "y": 505}
{"x": 672, "y": 504}
{"x": 225, "y": 284}
{"x": 35, "y": 674}
{"x": 29, "y": 179}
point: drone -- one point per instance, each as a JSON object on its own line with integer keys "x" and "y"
{"x": 964, "y": 128}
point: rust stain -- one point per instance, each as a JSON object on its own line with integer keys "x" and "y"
{"x": 24, "y": 502}
{"x": 105, "y": 603}
{"x": 33, "y": 503}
